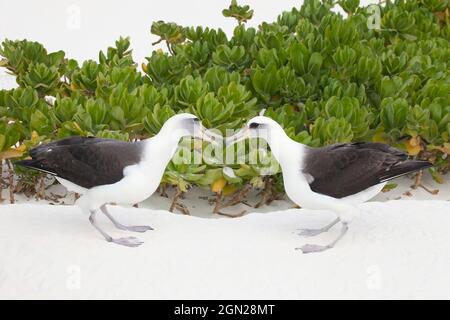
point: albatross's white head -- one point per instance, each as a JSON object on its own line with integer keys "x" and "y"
{"x": 259, "y": 127}
{"x": 162, "y": 147}
{"x": 187, "y": 125}
{"x": 264, "y": 128}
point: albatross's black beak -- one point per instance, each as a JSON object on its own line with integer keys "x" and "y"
{"x": 242, "y": 134}
{"x": 210, "y": 136}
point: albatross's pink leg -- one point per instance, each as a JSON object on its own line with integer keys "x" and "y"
{"x": 310, "y": 248}
{"x": 127, "y": 241}
{"x": 315, "y": 232}
{"x": 121, "y": 226}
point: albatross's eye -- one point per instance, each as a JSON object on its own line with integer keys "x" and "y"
{"x": 254, "y": 125}
{"x": 196, "y": 120}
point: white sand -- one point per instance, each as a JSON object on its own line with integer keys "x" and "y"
{"x": 398, "y": 249}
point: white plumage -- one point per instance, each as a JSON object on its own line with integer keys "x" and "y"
{"x": 357, "y": 172}
{"x": 119, "y": 172}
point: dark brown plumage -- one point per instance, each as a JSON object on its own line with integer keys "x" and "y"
{"x": 341, "y": 170}
{"x": 85, "y": 161}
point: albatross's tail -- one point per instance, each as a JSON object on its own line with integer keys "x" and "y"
{"x": 403, "y": 168}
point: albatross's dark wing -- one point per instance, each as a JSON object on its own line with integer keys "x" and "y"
{"x": 86, "y": 162}
{"x": 341, "y": 170}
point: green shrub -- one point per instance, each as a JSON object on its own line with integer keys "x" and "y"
{"x": 324, "y": 78}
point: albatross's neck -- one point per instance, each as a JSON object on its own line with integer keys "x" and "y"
{"x": 160, "y": 149}
{"x": 283, "y": 148}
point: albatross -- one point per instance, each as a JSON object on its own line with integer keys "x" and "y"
{"x": 335, "y": 177}
{"x": 107, "y": 171}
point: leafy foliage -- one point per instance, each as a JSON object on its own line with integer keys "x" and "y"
{"x": 325, "y": 78}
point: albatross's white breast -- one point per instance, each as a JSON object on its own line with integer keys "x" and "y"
{"x": 138, "y": 183}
